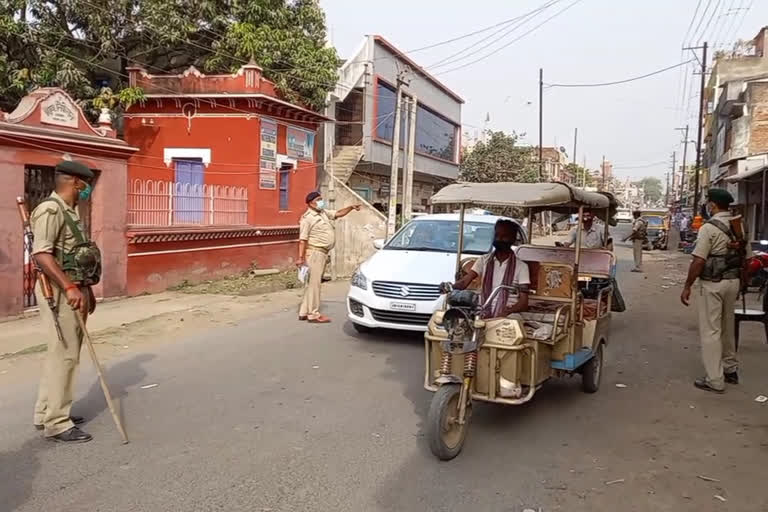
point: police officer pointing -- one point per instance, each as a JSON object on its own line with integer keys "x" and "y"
{"x": 717, "y": 265}
{"x": 73, "y": 264}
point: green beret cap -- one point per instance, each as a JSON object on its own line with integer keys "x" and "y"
{"x": 74, "y": 168}
{"x": 719, "y": 195}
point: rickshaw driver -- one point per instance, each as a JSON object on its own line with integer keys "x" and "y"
{"x": 500, "y": 267}
{"x": 592, "y": 236}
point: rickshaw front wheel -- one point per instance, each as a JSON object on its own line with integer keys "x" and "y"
{"x": 592, "y": 371}
{"x": 446, "y": 435}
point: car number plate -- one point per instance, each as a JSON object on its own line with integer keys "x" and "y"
{"x": 402, "y": 306}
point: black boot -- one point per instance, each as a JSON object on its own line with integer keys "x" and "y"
{"x": 732, "y": 378}
{"x": 73, "y": 435}
{"x": 77, "y": 420}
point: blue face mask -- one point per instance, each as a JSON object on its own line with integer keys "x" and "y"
{"x": 320, "y": 204}
{"x": 85, "y": 194}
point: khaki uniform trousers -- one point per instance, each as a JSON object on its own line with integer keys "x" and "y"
{"x": 54, "y": 399}
{"x": 717, "y": 329}
{"x": 637, "y": 251}
{"x": 310, "y": 304}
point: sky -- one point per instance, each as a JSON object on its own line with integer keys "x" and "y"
{"x": 593, "y": 41}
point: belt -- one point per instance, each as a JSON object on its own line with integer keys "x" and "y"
{"x": 318, "y": 249}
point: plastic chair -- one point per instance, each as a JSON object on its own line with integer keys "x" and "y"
{"x": 752, "y": 315}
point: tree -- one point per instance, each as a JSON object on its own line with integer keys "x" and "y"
{"x": 500, "y": 158}
{"x": 83, "y": 45}
{"x": 581, "y": 175}
{"x": 652, "y": 189}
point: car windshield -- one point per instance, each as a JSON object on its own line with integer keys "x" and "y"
{"x": 654, "y": 220}
{"x": 443, "y": 236}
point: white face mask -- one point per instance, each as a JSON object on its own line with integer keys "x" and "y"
{"x": 320, "y": 204}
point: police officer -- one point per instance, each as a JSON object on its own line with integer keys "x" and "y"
{"x": 59, "y": 246}
{"x": 718, "y": 270}
{"x": 317, "y": 237}
{"x": 638, "y": 236}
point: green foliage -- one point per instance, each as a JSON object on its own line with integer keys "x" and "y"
{"x": 581, "y": 175}
{"x": 500, "y": 158}
{"x": 75, "y": 44}
{"x": 652, "y": 188}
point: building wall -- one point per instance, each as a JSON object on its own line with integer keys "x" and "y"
{"x": 385, "y": 68}
{"x": 377, "y": 188}
{"x": 163, "y": 257}
{"x": 758, "y": 141}
{"x": 107, "y": 221}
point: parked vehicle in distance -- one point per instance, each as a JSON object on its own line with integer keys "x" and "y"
{"x": 623, "y": 215}
{"x": 398, "y": 286}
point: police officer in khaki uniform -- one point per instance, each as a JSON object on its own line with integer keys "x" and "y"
{"x": 638, "y": 237}
{"x": 55, "y": 223}
{"x": 317, "y": 237}
{"x": 718, "y": 271}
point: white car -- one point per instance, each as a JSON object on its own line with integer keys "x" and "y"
{"x": 623, "y": 215}
{"x": 398, "y": 286}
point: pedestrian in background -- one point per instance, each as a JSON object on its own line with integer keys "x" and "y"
{"x": 717, "y": 264}
{"x": 638, "y": 236}
{"x": 317, "y": 236}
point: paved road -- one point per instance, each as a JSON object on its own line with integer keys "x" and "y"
{"x": 276, "y": 415}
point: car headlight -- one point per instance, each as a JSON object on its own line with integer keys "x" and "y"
{"x": 359, "y": 280}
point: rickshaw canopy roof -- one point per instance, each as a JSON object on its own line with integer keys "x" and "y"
{"x": 540, "y": 196}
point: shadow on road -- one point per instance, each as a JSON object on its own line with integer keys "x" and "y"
{"x": 119, "y": 378}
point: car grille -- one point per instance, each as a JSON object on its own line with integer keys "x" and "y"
{"x": 407, "y": 291}
{"x": 400, "y": 317}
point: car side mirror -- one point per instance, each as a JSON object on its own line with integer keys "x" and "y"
{"x": 378, "y": 244}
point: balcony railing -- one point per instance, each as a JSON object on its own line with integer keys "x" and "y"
{"x": 154, "y": 203}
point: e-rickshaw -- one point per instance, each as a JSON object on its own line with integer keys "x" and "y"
{"x": 658, "y": 229}
{"x": 506, "y": 360}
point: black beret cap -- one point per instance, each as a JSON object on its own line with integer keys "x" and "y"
{"x": 719, "y": 195}
{"x": 74, "y": 168}
{"x": 312, "y": 196}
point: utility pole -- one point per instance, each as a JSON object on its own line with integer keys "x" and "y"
{"x": 541, "y": 123}
{"x": 408, "y": 178}
{"x": 685, "y": 154}
{"x": 392, "y": 214}
{"x": 575, "y": 140}
{"x": 674, "y": 162}
{"x": 701, "y": 127}
{"x": 602, "y": 167}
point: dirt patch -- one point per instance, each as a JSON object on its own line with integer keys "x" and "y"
{"x": 245, "y": 284}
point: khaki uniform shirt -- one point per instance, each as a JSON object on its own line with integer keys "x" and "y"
{"x": 52, "y": 235}
{"x": 637, "y": 226}
{"x": 593, "y": 238}
{"x": 316, "y": 228}
{"x": 711, "y": 240}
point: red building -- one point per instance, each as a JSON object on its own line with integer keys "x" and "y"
{"x": 219, "y": 181}
{"x": 46, "y": 127}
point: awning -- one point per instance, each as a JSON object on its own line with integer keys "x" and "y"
{"x": 746, "y": 175}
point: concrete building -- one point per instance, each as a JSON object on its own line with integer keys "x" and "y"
{"x": 219, "y": 181}
{"x": 364, "y": 107}
{"x": 737, "y": 128}
{"x": 555, "y": 161}
{"x": 357, "y": 148}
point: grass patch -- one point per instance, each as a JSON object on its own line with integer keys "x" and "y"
{"x": 243, "y": 284}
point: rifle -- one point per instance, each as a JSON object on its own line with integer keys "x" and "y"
{"x": 740, "y": 244}
{"x": 45, "y": 283}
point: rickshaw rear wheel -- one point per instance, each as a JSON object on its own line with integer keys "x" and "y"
{"x": 446, "y": 436}
{"x": 592, "y": 371}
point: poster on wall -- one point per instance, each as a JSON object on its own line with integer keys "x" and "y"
{"x": 300, "y": 144}
{"x": 267, "y": 173}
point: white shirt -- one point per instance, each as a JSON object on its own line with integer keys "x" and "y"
{"x": 521, "y": 276}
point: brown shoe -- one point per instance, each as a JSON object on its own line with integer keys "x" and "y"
{"x": 302, "y": 318}
{"x": 320, "y": 320}
{"x": 703, "y": 384}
